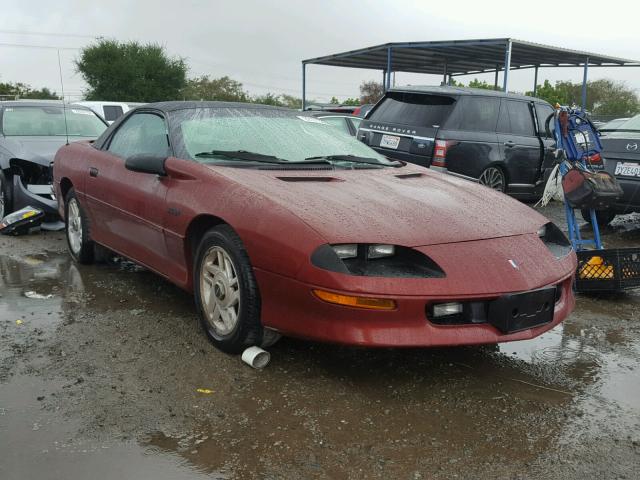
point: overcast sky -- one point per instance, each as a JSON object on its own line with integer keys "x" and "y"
{"x": 261, "y": 43}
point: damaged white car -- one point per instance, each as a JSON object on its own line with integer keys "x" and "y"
{"x": 31, "y": 131}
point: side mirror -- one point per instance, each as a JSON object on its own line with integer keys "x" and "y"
{"x": 146, "y": 163}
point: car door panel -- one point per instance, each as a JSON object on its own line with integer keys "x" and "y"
{"x": 547, "y": 141}
{"x": 470, "y": 132}
{"x": 128, "y": 208}
{"x": 519, "y": 144}
{"x": 471, "y": 152}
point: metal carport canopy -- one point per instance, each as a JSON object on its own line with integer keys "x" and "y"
{"x": 464, "y": 57}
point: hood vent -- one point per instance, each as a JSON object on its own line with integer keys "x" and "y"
{"x": 410, "y": 175}
{"x": 309, "y": 179}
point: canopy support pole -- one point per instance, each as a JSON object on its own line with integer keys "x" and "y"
{"x": 495, "y": 81}
{"x": 444, "y": 73}
{"x": 535, "y": 81}
{"x": 304, "y": 85}
{"x": 584, "y": 84}
{"x": 388, "y": 68}
{"x": 507, "y": 66}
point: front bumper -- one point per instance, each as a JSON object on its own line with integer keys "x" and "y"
{"x": 630, "y": 201}
{"x": 37, "y": 196}
{"x": 289, "y": 306}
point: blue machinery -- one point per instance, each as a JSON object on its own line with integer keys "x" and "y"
{"x": 599, "y": 269}
{"x": 578, "y": 144}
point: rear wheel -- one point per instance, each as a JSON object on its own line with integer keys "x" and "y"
{"x": 604, "y": 217}
{"x": 493, "y": 177}
{"x": 77, "y": 229}
{"x": 226, "y": 291}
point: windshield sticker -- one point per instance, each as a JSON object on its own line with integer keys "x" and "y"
{"x": 310, "y": 119}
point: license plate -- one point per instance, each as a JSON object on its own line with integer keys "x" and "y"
{"x": 390, "y": 141}
{"x": 628, "y": 169}
{"x": 520, "y": 311}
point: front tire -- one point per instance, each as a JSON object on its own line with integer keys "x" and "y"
{"x": 494, "y": 178}
{"x": 226, "y": 291}
{"x": 77, "y": 230}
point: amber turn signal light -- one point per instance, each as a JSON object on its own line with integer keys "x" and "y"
{"x": 357, "y": 302}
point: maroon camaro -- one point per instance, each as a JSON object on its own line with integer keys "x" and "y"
{"x": 281, "y": 224}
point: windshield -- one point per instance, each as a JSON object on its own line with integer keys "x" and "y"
{"x": 49, "y": 121}
{"x": 284, "y": 135}
{"x": 415, "y": 109}
{"x": 630, "y": 124}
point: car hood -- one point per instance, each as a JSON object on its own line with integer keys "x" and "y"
{"x": 40, "y": 150}
{"x": 409, "y": 206}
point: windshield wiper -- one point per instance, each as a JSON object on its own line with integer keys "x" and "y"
{"x": 629, "y": 130}
{"x": 259, "y": 157}
{"x": 355, "y": 159}
{"x": 241, "y": 155}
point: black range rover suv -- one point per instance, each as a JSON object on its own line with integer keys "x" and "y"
{"x": 492, "y": 137}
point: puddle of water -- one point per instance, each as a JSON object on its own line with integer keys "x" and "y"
{"x": 36, "y": 443}
{"x": 317, "y": 410}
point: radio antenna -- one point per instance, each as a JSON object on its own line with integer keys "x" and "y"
{"x": 64, "y": 108}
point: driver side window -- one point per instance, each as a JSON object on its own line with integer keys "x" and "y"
{"x": 142, "y": 133}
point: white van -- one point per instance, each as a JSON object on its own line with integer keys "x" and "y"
{"x": 110, "y": 111}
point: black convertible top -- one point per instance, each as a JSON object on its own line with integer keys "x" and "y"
{"x": 187, "y": 105}
{"x": 174, "y": 106}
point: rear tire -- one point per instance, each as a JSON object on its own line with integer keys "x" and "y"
{"x": 494, "y": 178}
{"x": 604, "y": 217}
{"x": 77, "y": 230}
{"x": 226, "y": 291}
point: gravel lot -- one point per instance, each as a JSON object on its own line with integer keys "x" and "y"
{"x": 100, "y": 379}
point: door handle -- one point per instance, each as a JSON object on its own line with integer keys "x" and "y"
{"x": 93, "y": 172}
{"x": 509, "y": 144}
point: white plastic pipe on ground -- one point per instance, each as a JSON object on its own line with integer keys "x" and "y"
{"x": 256, "y": 357}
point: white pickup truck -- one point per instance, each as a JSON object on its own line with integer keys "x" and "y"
{"x": 110, "y": 111}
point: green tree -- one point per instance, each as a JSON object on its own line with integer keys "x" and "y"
{"x": 222, "y": 89}
{"x": 268, "y": 99}
{"x": 371, "y": 91}
{"x": 334, "y": 101}
{"x": 354, "y": 102}
{"x": 475, "y": 83}
{"x": 290, "y": 101}
{"x": 604, "y": 97}
{"x": 131, "y": 72}
{"x": 21, "y": 90}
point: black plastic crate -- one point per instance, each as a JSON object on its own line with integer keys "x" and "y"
{"x": 608, "y": 270}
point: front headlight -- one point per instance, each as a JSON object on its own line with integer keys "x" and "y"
{"x": 556, "y": 241}
{"x": 375, "y": 260}
{"x": 350, "y": 250}
{"x": 380, "y": 251}
{"x": 346, "y": 250}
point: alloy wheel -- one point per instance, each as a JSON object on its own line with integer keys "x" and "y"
{"x": 493, "y": 177}
{"x": 74, "y": 226}
{"x": 220, "y": 291}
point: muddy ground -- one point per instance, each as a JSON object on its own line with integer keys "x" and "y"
{"x": 100, "y": 379}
